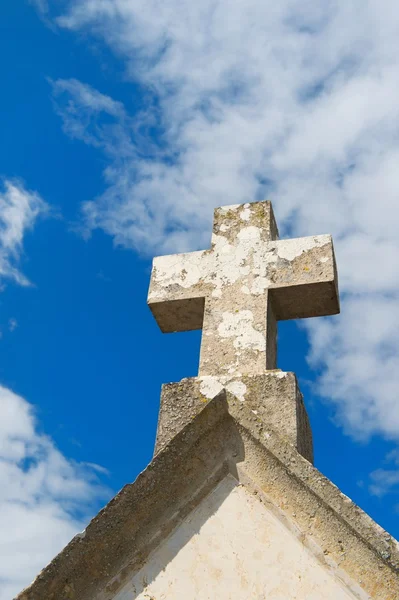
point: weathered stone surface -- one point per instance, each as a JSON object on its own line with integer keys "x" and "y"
{"x": 225, "y": 437}
{"x": 222, "y": 551}
{"x": 241, "y": 287}
{"x": 274, "y": 398}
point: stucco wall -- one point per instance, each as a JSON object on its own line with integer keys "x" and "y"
{"x": 233, "y": 546}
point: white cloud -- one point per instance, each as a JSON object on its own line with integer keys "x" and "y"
{"x": 19, "y": 210}
{"x": 81, "y": 106}
{"x": 294, "y": 100}
{"x": 361, "y": 350}
{"x": 45, "y": 499}
{"x": 386, "y": 481}
{"x": 383, "y": 481}
{"x": 41, "y": 5}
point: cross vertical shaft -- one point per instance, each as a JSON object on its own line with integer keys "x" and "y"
{"x": 240, "y": 331}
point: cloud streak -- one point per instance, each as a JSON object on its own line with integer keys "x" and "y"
{"x": 295, "y": 101}
{"x": 19, "y": 210}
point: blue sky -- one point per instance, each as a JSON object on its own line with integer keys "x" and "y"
{"x": 122, "y": 126}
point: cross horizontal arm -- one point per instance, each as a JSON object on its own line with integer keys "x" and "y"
{"x": 177, "y": 291}
{"x": 304, "y": 279}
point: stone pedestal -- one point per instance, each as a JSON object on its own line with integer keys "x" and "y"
{"x": 273, "y": 397}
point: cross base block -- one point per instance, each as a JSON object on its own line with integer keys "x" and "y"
{"x": 273, "y": 397}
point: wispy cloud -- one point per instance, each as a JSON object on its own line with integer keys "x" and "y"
{"x": 292, "y": 100}
{"x": 45, "y": 499}
{"x": 386, "y": 480}
{"x": 12, "y": 324}
{"x": 81, "y": 108}
{"x": 19, "y": 210}
{"x": 383, "y": 481}
{"x": 42, "y": 6}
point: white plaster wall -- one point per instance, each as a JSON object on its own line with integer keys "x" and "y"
{"x": 232, "y": 546}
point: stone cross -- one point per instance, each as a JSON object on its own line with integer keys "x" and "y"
{"x": 238, "y": 289}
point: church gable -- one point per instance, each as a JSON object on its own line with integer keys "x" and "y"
{"x": 225, "y": 438}
{"x": 233, "y": 546}
{"x": 231, "y": 505}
